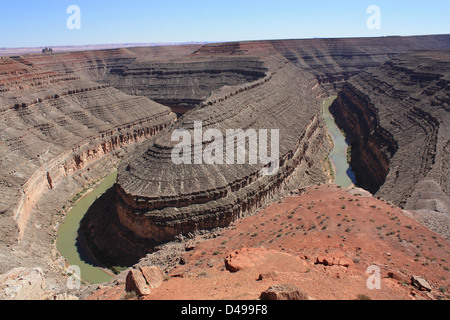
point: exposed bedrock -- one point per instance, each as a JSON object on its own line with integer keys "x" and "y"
{"x": 160, "y": 74}
{"x": 183, "y": 85}
{"x": 52, "y": 125}
{"x": 396, "y": 118}
{"x": 332, "y": 61}
{"x": 157, "y": 200}
{"x": 62, "y": 115}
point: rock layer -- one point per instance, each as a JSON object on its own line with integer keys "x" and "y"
{"x": 62, "y": 114}
{"x": 53, "y": 124}
{"x": 396, "y": 118}
{"x": 155, "y": 200}
{"x": 183, "y": 85}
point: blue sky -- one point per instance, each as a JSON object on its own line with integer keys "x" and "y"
{"x": 36, "y": 23}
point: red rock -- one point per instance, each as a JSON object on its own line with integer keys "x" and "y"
{"x": 284, "y": 292}
{"x": 136, "y": 282}
{"x": 244, "y": 258}
{"x": 267, "y": 275}
{"x": 397, "y": 276}
{"x": 345, "y": 262}
{"x": 153, "y": 275}
{"x": 337, "y": 258}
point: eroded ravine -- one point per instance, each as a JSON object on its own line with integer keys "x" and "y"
{"x": 342, "y": 172}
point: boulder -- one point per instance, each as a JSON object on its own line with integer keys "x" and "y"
{"x": 334, "y": 259}
{"x": 153, "y": 275}
{"x": 136, "y": 282}
{"x": 283, "y": 292}
{"x": 420, "y": 283}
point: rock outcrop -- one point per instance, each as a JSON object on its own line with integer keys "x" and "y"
{"x": 156, "y": 201}
{"x": 183, "y": 85}
{"x": 53, "y": 125}
{"x": 331, "y": 61}
{"x": 334, "y": 259}
{"x": 64, "y": 116}
{"x": 143, "y": 279}
{"x": 420, "y": 283}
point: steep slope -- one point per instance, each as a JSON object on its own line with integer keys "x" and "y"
{"x": 162, "y": 74}
{"x": 396, "y": 118}
{"x": 332, "y": 61}
{"x": 54, "y": 124}
{"x": 182, "y": 85}
{"x": 156, "y": 200}
{"x": 66, "y": 119}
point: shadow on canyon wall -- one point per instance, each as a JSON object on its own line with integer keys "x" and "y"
{"x": 98, "y": 227}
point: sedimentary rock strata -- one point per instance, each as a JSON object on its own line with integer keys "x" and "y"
{"x": 332, "y": 61}
{"x": 53, "y": 124}
{"x": 156, "y": 200}
{"x": 183, "y": 85}
{"x": 396, "y": 118}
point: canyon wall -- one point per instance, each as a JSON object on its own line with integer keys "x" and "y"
{"x": 53, "y": 124}
{"x": 157, "y": 200}
{"x": 396, "y": 118}
{"x": 62, "y": 113}
{"x": 331, "y": 61}
{"x": 183, "y": 85}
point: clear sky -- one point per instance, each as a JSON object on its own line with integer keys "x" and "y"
{"x": 37, "y": 23}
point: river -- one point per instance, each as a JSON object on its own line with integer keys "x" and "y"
{"x": 343, "y": 174}
{"x": 68, "y": 232}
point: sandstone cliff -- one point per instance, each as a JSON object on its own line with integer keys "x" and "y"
{"x": 54, "y": 124}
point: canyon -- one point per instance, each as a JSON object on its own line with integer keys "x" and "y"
{"x": 68, "y": 119}
{"x": 395, "y": 111}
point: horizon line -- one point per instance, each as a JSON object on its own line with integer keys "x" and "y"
{"x": 181, "y": 43}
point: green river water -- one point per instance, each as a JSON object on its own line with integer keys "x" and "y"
{"x": 68, "y": 232}
{"x": 343, "y": 175}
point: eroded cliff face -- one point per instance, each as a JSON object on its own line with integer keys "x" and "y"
{"x": 157, "y": 200}
{"x": 372, "y": 146}
{"x": 54, "y": 124}
{"x": 331, "y": 61}
{"x": 396, "y": 117}
{"x": 182, "y": 85}
{"x": 62, "y": 114}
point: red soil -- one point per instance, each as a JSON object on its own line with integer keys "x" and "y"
{"x": 284, "y": 241}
